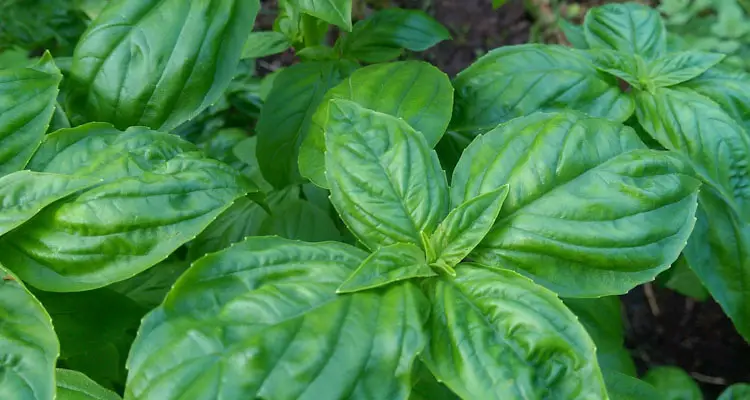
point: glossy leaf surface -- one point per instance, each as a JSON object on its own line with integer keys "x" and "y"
{"x": 414, "y": 91}
{"x": 386, "y": 182}
{"x": 680, "y": 67}
{"x": 28, "y": 345}
{"x": 387, "y": 265}
{"x": 727, "y": 87}
{"x": 157, "y": 63}
{"x": 27, "y": 101}
{"x": 627, "y": 27}
{"x": 497, "y": 335}
{"x": 514, "y": 81}
{"x": 336, "y": 12}
{"x": 73, "y": 385}
{"x": 262, "y": 320}
{"x": 590, "y": 212}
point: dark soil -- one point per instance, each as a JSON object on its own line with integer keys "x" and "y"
{"x": 673, "y": 329}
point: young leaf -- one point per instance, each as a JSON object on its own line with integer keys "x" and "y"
{"x": 336, "y": 12}
{"x": 386, "y": 182}
{"x": 573, "y": 34}
{"x": 27, "y": 102}
{"x": 627, "y": 27}
{"x": 466, "y": 226}
{"x": 382, "y": 36}
{"x": 73, "y": 385}
{"x": 262, "y": 320}
{"x": 412, "y": 90}
{"x": 496, "y": 335}
{"x": 727, "y": 87}
{"x": 626, "y": 387}
{"x": 285, "y": 118}
{"x": 24, "y": 193}
{"x": 738, "y": 391}
{"x": 514, "y": 81}
{"x": 673, "y": 383}
{"x": 590, "y": 211}
{"x": 262, "y": 44}
{"x": 628, "y": 67}
{"x": 300, "y": 220}
{"x": 156, "y": 194}
{"x": 680, "y": 67}
{"x": 387, "y": 265}
{"x": 28, "y": 345}
{"x": 157, "y": 63}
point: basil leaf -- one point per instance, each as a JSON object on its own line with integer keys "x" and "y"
{"x": 387, "y": 265}
{"x": 27, "y": 102}
{"x": 270, "y": 325}
{"x": 590, "y": 211}
{"x": 627, "y": 27}
{"x": 727, "y": 87}
{"x": 573, "y": 34}
{"x": 680, "y": 67}
{"x": 625, "y": 387}
{"x": 157, "y": 63}
{"x": 285, "y": 118}
{"x": 28, "y": 344}
{"x": 386, "y": 182}
{"x": 149, "y": 288}
{"x": 477, "y": 350}
{"x": 300, "y": 220}
{"x": 514, "y": 81}
{"x": 335, "y": 12}
{"x": 603, "y": 321}
{"x": 738, "y": 391}
{"x": 673, "y": 383}
{"x": 382, "y": 36}
{"x": 628, "y": 67}
{"x": 156, "y": 194}
{"x": 262, "y": 44}
{"x": 73, "y": 385}
{"x": 683, "y": 280}
{"x": 466, "y": 226}
{"x": 426, "y": 387}
{"x": 412, "y": 90}
{"x": 24, "y": 193}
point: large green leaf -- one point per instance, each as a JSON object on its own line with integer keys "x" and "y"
{"x": 262, "y": 320}
{"x": 285, "y": 118}
{"x": 387, "y": 265}
{"x": 496, "y": 335}
{"x": 729, "y": 88}
{"x": 626, "y": 387}
{"x": 73, "y": 385}
{"x": 603, "y": 321}
{"x": 24, "y": 193}
{"x": 157, "y": 63}
{"x": 336, "y": 12}
{"x": 301, "y": 220}
{"x": 515, "y": 81}
{"x": 627, "y": 27}
{"x": 28, "y": 345}
{"x": 680, "y": 67}
{"x": 95, "y": 329}
{"x": 386, "y": 182}
{"x": 27, "y": 101}
{"x": 738, "y": 391}
{"x": 412, "y": 90}
{"x": 590, "y": 211}
{"x": 156, "y": 194}
{"x": 673, "y": 383}
{"x": 383, "y": 36}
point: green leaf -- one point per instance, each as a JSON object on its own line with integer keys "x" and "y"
{"x": 382, "y": 36}
{"x": 497, "y": 335}
{"x": 466, "y": 226}
{"x": 157, "y": 63}
{"x": 414, "y": 91}
{"x": 628, "y": 67}
{"x": 590, "y": 211}
{"x": 149, "y": 288}
{"x": 95, "y": 329}
{"x": 680, "y": 67}
{"x": 738, "y": 391}
{"x": 336, "y": 12}
{"x": 729, "y": 88}
{"x": 317, "y": 53}
{"x": 573, "y": 33}
{"x": 625, "y": 387}
{"x": 426, "y": 387}
{"x": 386, "y": 182}
{"x": 603, "y": 321}
{"x": 156, "y": 194}
{"x": 301, "y": 220}
{"x": 514, "y": 81}
{"x": 73, "y": 385}
{"x": 27, "y": 102}
{"x": 262, "y": 44}
{"x": 683, "y": 280}
{"x": 262, "y": 320}
{"x": 627, "y": 27}
{"x": 673, "y": 383}
{"x": 24, "y": 193}
{"x": 387, "y": 265}
{"x": 285, "y": 118}
{"x": 245, "y": 151}
{"x": 28, "y": 345}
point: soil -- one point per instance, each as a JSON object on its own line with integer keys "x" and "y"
{"x": 662, "y": 327}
